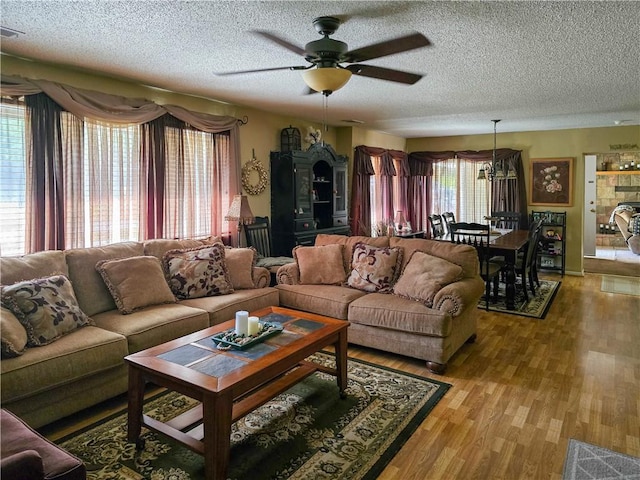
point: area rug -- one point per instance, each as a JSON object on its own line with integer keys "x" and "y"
{"x": 620, "y": 284}
{"x": 307, "y": 432}
{"x": 536, "y": 307}
{"x": 589, "y": 462}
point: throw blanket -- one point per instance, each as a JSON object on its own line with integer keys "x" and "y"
{"x": 619, "y": 209}
{"x": 267, "y": 262}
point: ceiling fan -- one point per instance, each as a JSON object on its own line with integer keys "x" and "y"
{"x": 325, "y": 74}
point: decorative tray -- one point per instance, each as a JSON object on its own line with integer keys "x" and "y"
{"x": 227, "y": 339}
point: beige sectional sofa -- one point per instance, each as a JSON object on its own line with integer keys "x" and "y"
{"x": 396, "y": 321}
{"x": 86, "y": 366}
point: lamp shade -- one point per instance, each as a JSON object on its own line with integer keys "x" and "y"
{"x": 400, "y": 220}
{"x": 326, "y": 79}
{"x": 239, "y": 211}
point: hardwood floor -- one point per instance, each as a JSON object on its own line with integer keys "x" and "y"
{"x": 525, "y": 387}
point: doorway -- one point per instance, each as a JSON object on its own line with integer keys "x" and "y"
{"x": 610, "y": 179}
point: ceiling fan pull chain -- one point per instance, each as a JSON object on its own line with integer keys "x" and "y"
{"x": 325, "y": 120}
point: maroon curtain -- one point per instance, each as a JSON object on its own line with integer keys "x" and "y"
{"x": 153, "y": 159}
{"x": 45, "y": 229}
{"x": 360, "y": 193}
{"x": 360, "y": 190}
{"x": 421, "y": 170}
{"x": 508, "y": 195}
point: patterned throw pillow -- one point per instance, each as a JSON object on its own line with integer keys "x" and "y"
{"x": 135, "y": 282}
{"x": 198, "y": 272}
{"x": 374, "y": 269}
{"x": 48, "y": 308}
{"x": 634, "y": 224}
{"x": 424, "y": 275}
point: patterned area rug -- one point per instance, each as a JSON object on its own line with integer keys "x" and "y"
{"x": 307, "y": 432}
{"x": 536, "y": 307}
{"x": 588, "y": 462}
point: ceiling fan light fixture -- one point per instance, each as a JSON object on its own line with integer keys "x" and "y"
{"x": 326, "y": 79}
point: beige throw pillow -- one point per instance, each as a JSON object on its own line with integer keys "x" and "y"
{"x": 374, "y": 269}
{"x": 240, "y": 263}
{"x": 46, "y": 307}
{"x": 135, "y": 282}
{"x": 320, "y": 265}
{"x": 198, "y": 272}
{"x": 424, "y": 276}
{"x": 14, "y": 335}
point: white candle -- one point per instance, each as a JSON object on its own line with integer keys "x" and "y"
{"x": 242, "y": 322}
{"x": 254, "y": 325}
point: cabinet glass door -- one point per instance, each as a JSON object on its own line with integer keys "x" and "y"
{"x": 302, "y": 176}
{"x": 340, "y": 190}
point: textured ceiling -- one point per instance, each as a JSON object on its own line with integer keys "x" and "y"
{"x": 535, "y": 65}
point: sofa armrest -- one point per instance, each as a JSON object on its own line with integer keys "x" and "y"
{"x": 456, "y": 297}
{"x": 25, "y": 465}
{"x": 261, "y": 277}
{"x": 288, "y": 274}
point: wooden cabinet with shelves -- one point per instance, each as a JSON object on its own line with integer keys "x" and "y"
{"x": 308, "y": 196}
{"x": 552, "y": 249}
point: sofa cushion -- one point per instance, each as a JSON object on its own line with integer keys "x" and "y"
{"x": 47, "y": 308}
{"x": 396, "y": 313}
{"x": 224, "y": 307}
{"x": 198, "y": 272}
{"x": 14, "y": 335}
{"x": 322, "y": 265}
{"x": 83, "y": 353}
{"x": 424, "y": 276}
{"x": 135, "y": 282}
{"x": 240, "y": 263}
{"x": 33, "y": 265}
{"x": 464, "y": 255}
{"x": 374, "y": 269}
{"x": 349, "y": 243}
{"x": 330, "y": 300}
{"x": 154, "y": 325}
{"x": 159, "y": 246}
{"x": 91, "y": 291}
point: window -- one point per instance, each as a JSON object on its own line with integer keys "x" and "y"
{"x": 12, "y": 178}
{"x": 455, "y": 188}
{"x": 109, "y": 191}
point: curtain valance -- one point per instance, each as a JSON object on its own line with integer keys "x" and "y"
{"x": 113, "y": 108}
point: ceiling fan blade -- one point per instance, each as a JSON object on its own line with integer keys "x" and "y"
{"x": 281, "y": 41}
{"x": 222, "y": 74}
{"x": 384, "y": 74}
{"x": 389, "y": 47}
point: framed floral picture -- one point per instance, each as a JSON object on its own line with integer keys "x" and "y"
{"x": 551, "y": 181}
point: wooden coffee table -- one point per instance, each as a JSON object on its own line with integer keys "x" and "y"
{"x": 230, "y": 383}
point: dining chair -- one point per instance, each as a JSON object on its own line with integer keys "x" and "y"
{"x": 258, "y": 235}
{"x": 448, "y": 217}
{"x": 525, "y": 265}
{"x": 437, "y": 226}
{"x": 510, "y": 220}
{"x": 478, "y": 235}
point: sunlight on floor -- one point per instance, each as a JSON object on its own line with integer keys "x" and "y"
{"x": 620, "y": 254}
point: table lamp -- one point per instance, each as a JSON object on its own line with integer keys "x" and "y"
{"x": 240, "y": 212}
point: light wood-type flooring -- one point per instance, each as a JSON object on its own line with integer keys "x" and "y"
{"x": 525, "y": 388}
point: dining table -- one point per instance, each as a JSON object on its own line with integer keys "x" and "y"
{"x": 505, "y": 243}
